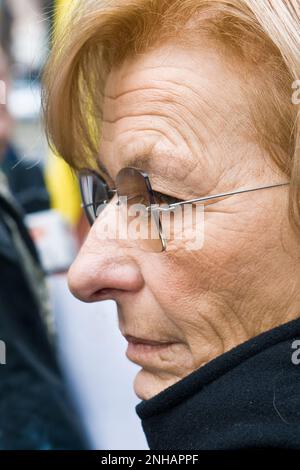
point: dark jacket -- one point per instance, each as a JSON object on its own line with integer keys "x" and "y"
{"x": 248, "y": 398}
{"x": 35, "y": 411}
{"x": 26, "y": 182}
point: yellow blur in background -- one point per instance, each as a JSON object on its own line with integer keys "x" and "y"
{"x": 60, "y": 179}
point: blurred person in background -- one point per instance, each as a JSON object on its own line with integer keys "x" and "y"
{"x": 35, "y": 409}
{"x": 26, "y": 182}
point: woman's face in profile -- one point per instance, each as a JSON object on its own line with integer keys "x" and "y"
{"x": 182, "y": 114}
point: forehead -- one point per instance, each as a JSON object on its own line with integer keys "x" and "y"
{"x": 202, "y": 62}
{"x": 171, "y": 100}
{"x": 201, "y": 68}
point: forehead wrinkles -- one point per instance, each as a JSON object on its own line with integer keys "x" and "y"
{"x": 186, "y": 116}
{"x": 153, "y": 109}
{"x": 196, "y": 89}
{"x": 199, "y": 97}
{"x": 161, "y": 102}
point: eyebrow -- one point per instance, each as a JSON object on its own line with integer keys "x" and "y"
{"x": 145, "y": 163}
{"x": 141, "y": 162}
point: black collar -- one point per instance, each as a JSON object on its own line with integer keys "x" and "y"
{"x": 248, "y": 397}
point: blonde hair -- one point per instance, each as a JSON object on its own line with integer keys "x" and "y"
{"x": 263, "y": 35}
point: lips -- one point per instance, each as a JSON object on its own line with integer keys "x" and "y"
{"x": 146, "y": 352}
{"x": 149, "y": 342}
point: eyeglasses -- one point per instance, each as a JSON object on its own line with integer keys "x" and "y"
{"x": 133, "y": 187}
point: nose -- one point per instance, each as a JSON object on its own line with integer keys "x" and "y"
{"x": 104, "y": 269}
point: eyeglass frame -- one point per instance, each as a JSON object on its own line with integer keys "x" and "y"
{"x": 181, "y": 202}
{"x": 166, "y": 207}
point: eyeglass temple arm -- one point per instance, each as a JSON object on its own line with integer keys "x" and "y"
{"x": 208, "y": 198}
{"x": 103, "y": 202}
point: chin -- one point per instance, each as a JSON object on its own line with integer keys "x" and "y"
{"x": 147, "y": 384}
{"x": 143, "y": 385}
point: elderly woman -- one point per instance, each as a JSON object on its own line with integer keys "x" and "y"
{"x": 169, "y": 105}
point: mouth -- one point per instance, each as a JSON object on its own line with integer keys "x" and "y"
{"x": 142, "y": 350}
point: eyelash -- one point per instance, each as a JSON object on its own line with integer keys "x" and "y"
{"x": 160, "y": 197}
{"x": 165, "y": 199}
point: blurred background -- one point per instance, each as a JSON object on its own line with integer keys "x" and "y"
{"x": 90, "y": 347}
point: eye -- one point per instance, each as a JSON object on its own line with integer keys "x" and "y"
{"x": 165, "y": 199}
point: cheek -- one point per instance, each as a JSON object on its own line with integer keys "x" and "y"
{"x": 226, "y": 264}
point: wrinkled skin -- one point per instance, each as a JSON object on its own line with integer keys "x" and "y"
{"x": 185, "y": 110}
